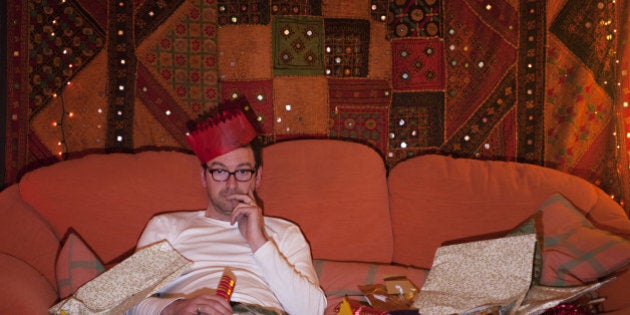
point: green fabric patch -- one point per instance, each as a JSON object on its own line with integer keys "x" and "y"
{"x": 298, "y": 45}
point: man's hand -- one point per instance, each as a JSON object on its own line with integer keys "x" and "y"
{"x": 250, "y": 220}
{"x": 209, "y": 304}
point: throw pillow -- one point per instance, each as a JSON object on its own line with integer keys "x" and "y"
{"x": 571, "y": 251}
{"x": 76, "y": 264}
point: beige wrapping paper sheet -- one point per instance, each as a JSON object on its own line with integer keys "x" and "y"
{"x": 470, "y": 277}
{"x": 126, "y": 284}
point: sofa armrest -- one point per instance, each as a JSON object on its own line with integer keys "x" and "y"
{"x": 26, "y": 235}
{"x": 23, "y": 289}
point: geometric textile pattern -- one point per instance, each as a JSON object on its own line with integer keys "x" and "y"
{"x": 259, "y": 95}
{"x": 290, "y": 7}
{"x": 577, "y": 109}
{"x": 472, "y": 51}
{"x": 183, "y": 57}
{"x": 359, "y": 111}
{"x": 418, "y": 64}
{"x": 243, "y": 12}
{"x": 121, "y": 78}
{"x": 379, "y": 10}
{"x": 298, "y": 45}
{"x": 414, "y": 18}
{"x": 592, "y": 39}
{"x": 347, "y": 45}
{"x": 149, "y": 16}
{"x": 62, "y": 40}
{"x": 415, "y": 123}
{"x": 472, "y": 135}
{"x": 533, "y": 81}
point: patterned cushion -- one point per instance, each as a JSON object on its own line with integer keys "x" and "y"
{"x": 571, "y": 251}
{"x": 76, "y": 265}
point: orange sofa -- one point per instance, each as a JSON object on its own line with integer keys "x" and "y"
{"x": 363, "y": 222}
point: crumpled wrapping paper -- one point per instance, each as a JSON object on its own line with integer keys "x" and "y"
{"x": 541, "y": 298}
{"x": 126, "y": 284}
{"x": 470, "y": 277}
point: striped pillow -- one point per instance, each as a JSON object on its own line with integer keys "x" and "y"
{"x": 571, "y": 250}
{"x": 76, "y": 264}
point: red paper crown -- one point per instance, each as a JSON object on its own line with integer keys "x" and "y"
{"x": 227, "y": 131}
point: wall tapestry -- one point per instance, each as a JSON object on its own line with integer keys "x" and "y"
{"x": 540, "y": 82}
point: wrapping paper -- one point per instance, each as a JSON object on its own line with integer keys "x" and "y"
{"x": 126, "y": 284}
{"x": 541, "y": 298}
{"x": 471, "y": 277}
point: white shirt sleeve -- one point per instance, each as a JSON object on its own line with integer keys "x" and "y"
{"x": 151, "y": 305}
{"x": 288, "y": 269}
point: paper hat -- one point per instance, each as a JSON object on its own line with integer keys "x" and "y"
{"x": 220, "y": 134}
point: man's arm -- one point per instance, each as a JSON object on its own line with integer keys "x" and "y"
{"x": 288, "y": 269}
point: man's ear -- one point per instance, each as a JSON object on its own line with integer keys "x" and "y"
{"x": 203, "y": 177}
{"x": 258, "y": 176}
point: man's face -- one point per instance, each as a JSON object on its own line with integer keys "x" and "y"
{"x": 225, "y": 195}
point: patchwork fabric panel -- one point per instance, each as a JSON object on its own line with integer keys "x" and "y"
{"x": 243, "y": 12}
{"x": 347, "y": 45}
{"x": 532, "y": 81}
{"x": 183, "y": 58}
{"x": 248, "y": 56}
{"x": 585, "y": 39}
{"x": 298, "y": 45}
{"x": 300, "y": 107}
{"x": 415, "y": 18}
{"x": 359, "y": 111}
{"x": 52, "y": 60}
{"x": 259, "y": 95}
{"x": 415, "y": 123}
{"x": 418, "y": 64}
{"x": 379, "y": 10}
{"x": 470, "y": 136}
{"x": 288, "y": 7}
{"x": 471, "y": 55}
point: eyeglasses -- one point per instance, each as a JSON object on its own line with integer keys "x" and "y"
{"x": 221, "y": 175}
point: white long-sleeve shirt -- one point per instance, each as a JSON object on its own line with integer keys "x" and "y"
{"x": 279, "y": 275}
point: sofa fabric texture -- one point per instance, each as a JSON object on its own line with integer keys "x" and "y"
{"x": 351, "y": 208}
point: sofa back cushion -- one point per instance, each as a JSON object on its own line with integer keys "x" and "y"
{"x": 336, "y": 191}
{"x": 108, "y": 198}
{"x": 437, "y": 199}
{"x": 25, "y": 235}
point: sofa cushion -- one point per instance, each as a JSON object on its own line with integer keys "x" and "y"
{"x": 437, "y": 199}
{"x": 108, "y": 198}
{"x": 572, "y": 251}
{"x": 24, "y": 290}
{"x": 336, "y": 191}
{"x": 76, "y": 265}
{"x": 26, "y": 235}
{"x": 342, "y": 279}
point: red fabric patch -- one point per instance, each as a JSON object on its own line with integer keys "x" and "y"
{"x": 418, "y": 64}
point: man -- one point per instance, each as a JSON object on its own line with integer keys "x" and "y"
{"x": 269, "y": 257}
